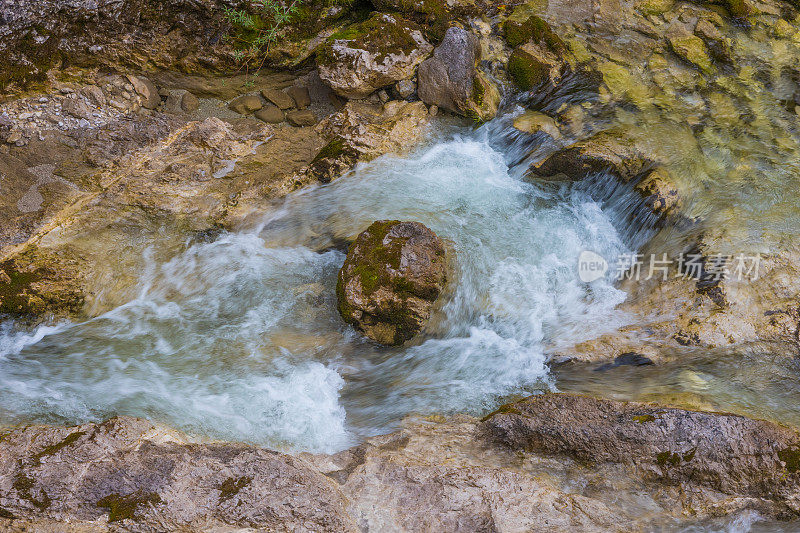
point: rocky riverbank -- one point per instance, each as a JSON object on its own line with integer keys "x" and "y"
{"x": 550, "y": 463}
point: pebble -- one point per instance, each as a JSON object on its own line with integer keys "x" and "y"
{"x": 83, "y": 123}
{"x": 66, "y": 90}
{"x": 43, "y": 100}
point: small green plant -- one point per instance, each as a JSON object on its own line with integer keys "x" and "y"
{"x": 256, "y": 30}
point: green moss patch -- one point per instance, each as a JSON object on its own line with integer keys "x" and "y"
{"x": 231, "y": 487}
{"x": 643, "y": 418}
{"x": 527, "y": 71}
{"x": 14, "y": 285}
{"x": 55, "y": 448}
{"x": 24, "y": 485}
{"x": 790, "y": 456}
{"x": 381, "y": 35}
{"x": 432, "y": 15}
{"x": 125, "y": 507}
{"x": 533, "y": 29}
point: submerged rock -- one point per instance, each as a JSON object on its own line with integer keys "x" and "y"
{"x": 535, "y": 122}
{"x": 659, "y": 192}
{"x": 450, "y": 79}
{"x": 393, "y": 274}
{"x": 609, "y": 150}
{"x": 373, "y": 54}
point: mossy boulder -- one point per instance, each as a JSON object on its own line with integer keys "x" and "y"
{"x": 369, "y": 55}
{"x": 393, "y": 274}
{"x": 451, "y": 80}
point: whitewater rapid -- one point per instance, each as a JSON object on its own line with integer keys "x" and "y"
{"x": 239, "y": 338}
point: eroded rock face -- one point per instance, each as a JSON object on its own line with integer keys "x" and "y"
{"x": 373, "y": 54}
{"x": 719, "y": 452}
{"x": 128, "y": 471}
{"x": 450, "y": 79}
{"x": 393, "y": 274}
{"x": 39, "y": 34}
{"x": 555, "y": 462}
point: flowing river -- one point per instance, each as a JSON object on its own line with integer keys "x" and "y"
{"x": 237, "y": 337}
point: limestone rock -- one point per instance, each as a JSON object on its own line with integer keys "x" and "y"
{"x": 279, "y": 98}
{"x": 370, "y": 55}
{"x": 393, "y": 274}
{"x": 189, "y": 102}
{"x": 94, "y": 95}
{"x": 554, "y": 462}
{"x": 301, "y": 117}
{"x": 361, "y": 132}
{"x": 180, "y": 101}
{"x": 39, "y": 34}
{"x": 245, "y": 104}
{"x": 138, "y": 475}
{"x": 721, "y": 452}
{"x": 300, "y": 96}
{"x": 147, "y": 90}
{"x": 270, "y": 114}
{"x": 75, "y": 107}
{"x": 405, "y": 89}
{"x": 450, "y": 79}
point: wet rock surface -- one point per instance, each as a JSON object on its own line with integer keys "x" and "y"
{"x": 450, "y": 80}
{"x": 391, "y": 278}
{"x": 707, "y": 451}
{"x": 507, "y": 472}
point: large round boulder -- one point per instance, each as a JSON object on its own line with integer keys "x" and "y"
{"x": 393, "y": 273}
{"x": 372, "y": 54}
